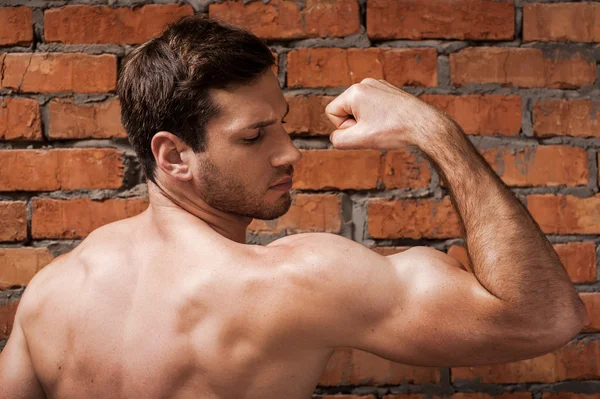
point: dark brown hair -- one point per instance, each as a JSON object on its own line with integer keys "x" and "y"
{"x": 164, "y": 83}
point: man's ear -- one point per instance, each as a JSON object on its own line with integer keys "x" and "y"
{"x": 172, "y": 155}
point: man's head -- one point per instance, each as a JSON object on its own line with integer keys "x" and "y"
{"x": 192, "y": 103}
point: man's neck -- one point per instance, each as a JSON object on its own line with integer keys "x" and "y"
{"x": 163, "y": 200}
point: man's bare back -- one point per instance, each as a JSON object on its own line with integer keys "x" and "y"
{"x": 141, "y": 309}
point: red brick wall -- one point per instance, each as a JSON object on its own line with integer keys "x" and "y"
{"x": 521, "y": 78}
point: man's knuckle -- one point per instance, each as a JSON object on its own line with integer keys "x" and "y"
{"x": 368, "y": 81}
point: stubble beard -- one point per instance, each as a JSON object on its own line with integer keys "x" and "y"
{"x": 232, "y": 196}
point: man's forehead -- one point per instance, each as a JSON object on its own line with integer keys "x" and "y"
{"x": 238, "y": 108}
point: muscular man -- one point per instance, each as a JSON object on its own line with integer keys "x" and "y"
{"x": 173, "y": 304}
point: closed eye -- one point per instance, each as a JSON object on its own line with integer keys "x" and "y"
{"x": 255, "y": 138}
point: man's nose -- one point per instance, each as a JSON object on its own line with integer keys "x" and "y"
{"x": 286, "y": 152}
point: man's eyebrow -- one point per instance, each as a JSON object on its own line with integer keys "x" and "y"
{"x": 257, "y": 125}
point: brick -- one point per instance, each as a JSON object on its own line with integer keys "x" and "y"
{"x": 459, "y": 19}
{"x": 402, "y": 169}
{"x": 561, "y": 22}
{"x": 76, "y": 218}
{"x": 16, "y": 26}
{"x": 20, "y": 119}
{"x": 578, "y": 258}
{"x": 60, "y": 72}
{"x": 62, "y": 169}
{"x": 570, "y": 117}
{"x": 8, "y": 309}
{"x": 578, "y": 360}
{"x": 307, "y": 115}
{"x": 413, "y": 218}
{"x": 280, "y": 19}
{"x": 387, "y": 251}
{"x": 592, "y": 304}
{"x": 334, "y": 67}
{"x": 523, "y": 67}
{"x": 570, "y": 395}
{"x": 479, "y": 114}
{"x": 565, "y": 214}
{"x": 14, "y": 221}
{"x": 328, "y": 169}
{"x": 103, "y": 24}
{"x": 79, "y": 121}
{"x": 308, "y": 213}
{"x": 349, "y": 366}
{"x": 554, "y": 165}
{"x": 19, "y": 265}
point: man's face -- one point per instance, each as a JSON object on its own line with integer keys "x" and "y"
{"x": 248, "y": 152}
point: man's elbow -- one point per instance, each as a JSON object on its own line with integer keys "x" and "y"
{"x": 563, "y": 325}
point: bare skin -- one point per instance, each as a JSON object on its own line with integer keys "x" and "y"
{"x": 173, "y": 304}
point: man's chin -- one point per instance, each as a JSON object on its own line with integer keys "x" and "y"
{"x": 275, "y": 210}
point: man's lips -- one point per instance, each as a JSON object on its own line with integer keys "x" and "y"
{"x": 287, "y": 179}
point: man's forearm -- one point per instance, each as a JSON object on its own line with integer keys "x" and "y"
{"x": 510, "y": 255}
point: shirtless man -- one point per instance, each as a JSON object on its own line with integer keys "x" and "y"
{"x": 173, "y": 304}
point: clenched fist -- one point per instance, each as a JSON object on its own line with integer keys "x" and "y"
{"x": 375, "y": 114}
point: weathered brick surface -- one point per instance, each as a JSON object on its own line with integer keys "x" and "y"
{"x": 16, "y": 26}
{"x": 59, "y": 72}
{"x": 539, "y": 166}
{"x": 578, "y": 258}
{"x": 592, "y": 304}
{"x": 565, "y": 214}
{"x": 307, "y": 115}
{"x": 63, "y": 169}
{"x": 19, "y": 265}
{"x": 76, "y": 218}
{"x": 13, "y": 215}
{"x": 284, "y": 19}
{"x": 20, "y": 119}
{"x": 328, "y": 169}
{"x": 574, "y": 361}
{"x": 309, "y": 213}
{"x": 523, "y": 67}
{"x": 333, "y": 67}
{"x": 349, "y": 366}
{"x": 459, "y": 19}
{"x": 570, "y": 117}
{"x": 479, "y": 114}
{"x": 562, "y": 22}
{"x": 420, "y": 218}
{"x": 402, "y": 169}
{"x": 8, "y": 309}
{"x": 78, "y": 121}
{"x": 102, "y": 24}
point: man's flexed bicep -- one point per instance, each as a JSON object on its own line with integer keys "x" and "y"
{"x": 416, "y": 307}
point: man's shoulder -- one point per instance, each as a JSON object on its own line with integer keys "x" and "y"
{"x": 325, "y": 248}
{"x": 314, "y": 243}
{"x": 45, "y": 288}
